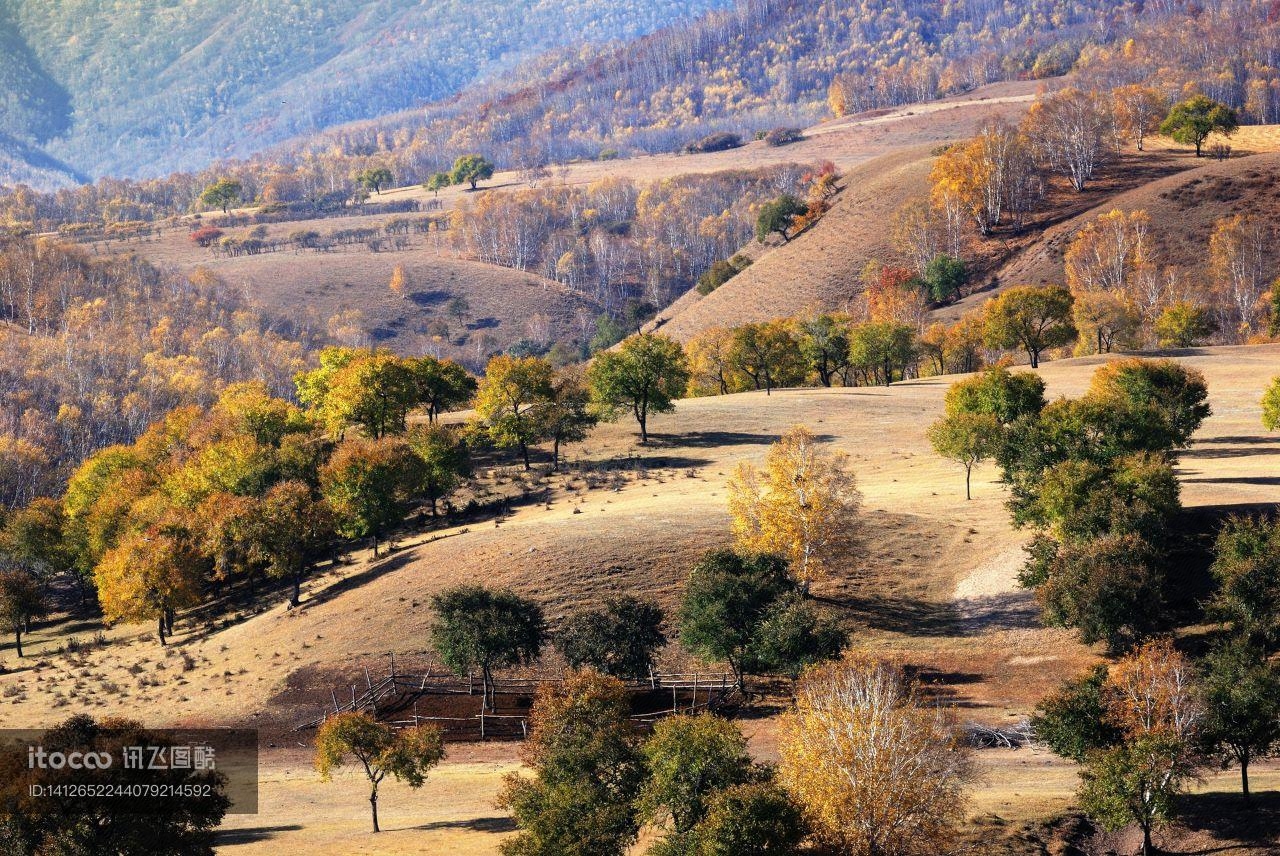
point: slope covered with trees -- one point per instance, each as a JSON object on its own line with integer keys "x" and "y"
{"x": 150, "y": 86}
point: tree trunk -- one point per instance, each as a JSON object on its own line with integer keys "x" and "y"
{"x": 555, "y": 463}
{"x": 17, "y": 640}
{"x": 1147, "y": 847}
{"x": 373, "y": 807}
{"x": 487, "y": 676}
{"x": 1244, "y": 775}
{"x": 1035, "y": 358}
{"x": 968, "y": 472}
{"x": 161, "y": 629}
{"x": 524, "y": 453}
{"x": 297, "y": 588}
{"x": 375, "y": 545}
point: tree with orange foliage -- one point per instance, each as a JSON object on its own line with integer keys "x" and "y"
{"x": 1138, "y": 111}
{"x": 805, "y": 507}
{"x": 1152, "y": 698}
{"x": 148, "y": 576}
{"x": 876, "y": 769}
{"x": 988, "y": 177}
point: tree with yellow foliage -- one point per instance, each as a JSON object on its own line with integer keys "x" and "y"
{"x": 804, "y": 507}
{"x": 877, "y": 770}
{"x": 1238, "y": 254}
{"x": 399, "y": 284}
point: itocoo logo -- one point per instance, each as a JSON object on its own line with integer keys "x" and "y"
{"x": 39, "y": 759}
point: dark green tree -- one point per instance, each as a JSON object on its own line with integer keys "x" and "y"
{"x": 1242, "y": 701}
{"x": 689, "y": 758}
{"x": 944, "y": 276}
{"x": 1073, "y": 721}
{"x": 1246, "y": 568}
{"x": 481, "y": 629}
{"x": 740, "y": 609}
{"x": 778, "y": 216}
{"x": 824, "y": 344}
{"x": 621, "y": 639}
{"x": 445, "y": 461}
{"x": 375, "y": 178}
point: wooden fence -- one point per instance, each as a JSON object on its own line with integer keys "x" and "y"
{"x": 394, "y": 699}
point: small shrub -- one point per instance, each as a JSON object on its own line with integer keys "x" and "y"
{"x": 206, "y": 236}
{"x": 719, "y": 142}
{"x": 783, "y": 137}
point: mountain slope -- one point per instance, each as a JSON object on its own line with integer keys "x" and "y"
{"x": 152, "y": 86}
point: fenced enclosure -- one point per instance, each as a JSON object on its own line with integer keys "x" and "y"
{"x": 421, "y": 695}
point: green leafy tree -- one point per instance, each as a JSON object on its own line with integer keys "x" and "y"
{"x": 621, "y": 639}
{"x": 882, "y": 348}
{"x": 481, "y": 629}
{"x": 440, "y": 385}
{"x": 1135, "y": 782}
{"x": 1110, "y": 589}
{"x": 471, "y": 169}
{"x": 438, "y": 182}
{"x": 997, "y": 392}
{"x": 222, "y": 194}
{"x": 645, "y": 375}
{"x": 778, "y": 216}
{"x": 967, "y": 439}
{"x": 1184, "y": 325}
{"x": 21, "y": 601}
{"x": 375, "y": 178}
{"x": 739, "y": 609}
{"x": 1246, "y": 567}
{"x": 34, "y": 536}
{"x": 751, "y": 819}
{"x": 1033, "y": 318}
{"x": 367, "y": 483}
{"x": 405, "y": 754}
{"x": 569, "y": 416}
{"x": 768, "y": 354}
{"x": 1190, "y": 122}
{"x": 1271, "y": 406}
{"x": 824, "y": 345}
{"x": 1242, "y": 706}
{"x": 512, "y": 401}
{"x": 444, "y": 462}
{"x": 1073, "y": 721}
{"x": 689, "y": 758}
{"x": 587, "y": 772}
{"x": 944, "y": 276}
{"x": 1163, "y": 393}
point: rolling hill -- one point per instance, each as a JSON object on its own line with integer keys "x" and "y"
{"x": 934, "y": 587}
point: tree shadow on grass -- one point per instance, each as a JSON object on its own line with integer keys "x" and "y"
{"x": 897, "y": 614}
{"x": 475, "y": 824}
{"x": 1225, "y": 816}
{"x": 253, "y": 834}
{"x": 1265, "y": 481}
{"x": 716, "y": 439}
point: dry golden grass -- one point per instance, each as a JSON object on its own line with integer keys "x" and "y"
{"x": 308, "y": 288}
{"x": 933, "y": 587}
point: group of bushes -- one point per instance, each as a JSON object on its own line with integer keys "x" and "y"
{"x": 1094, "y": 476}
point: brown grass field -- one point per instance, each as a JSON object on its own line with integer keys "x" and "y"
{"x": 933, "y": 587}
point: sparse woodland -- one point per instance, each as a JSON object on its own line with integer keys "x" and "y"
{"x": 170, "y": 454}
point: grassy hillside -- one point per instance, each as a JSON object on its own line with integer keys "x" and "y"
{"x": 935, "y": 587}
{"x": 307, "y": 289}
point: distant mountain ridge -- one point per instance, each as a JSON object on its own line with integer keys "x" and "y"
{"x": 148, "y": 87}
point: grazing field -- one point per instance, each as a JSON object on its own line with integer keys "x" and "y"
{"x": 933, "y": 586}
